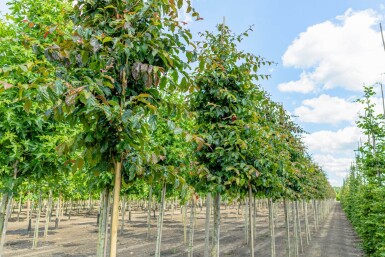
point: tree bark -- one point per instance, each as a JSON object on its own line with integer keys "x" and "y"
{"x": 185, "y": 223}
{"x": 19, "y": 209}
{"x": 123, "y": 213}
{"x": 207, "y": 225}
{"x": 287, "y": 225}
{"x": 36, "y": 233}
{"x": 192, "y": 219}
{"x": 103, "y": 223}
{"x": 299, "y": 225}
{"x": 5, "y": 210}
{"x": 115, "y": 209}
{"x": 251, "y": 222}
{"x": 149, "y": 213}
{"x": 48, "y": 210}
{"x": 160, "y": 222}
{"x": 308, "y": 235}
{"x": 271, "y": 225}
{"x": 217, "y": 226}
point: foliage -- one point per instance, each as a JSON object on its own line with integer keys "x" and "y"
{"x": 362, "y": 194}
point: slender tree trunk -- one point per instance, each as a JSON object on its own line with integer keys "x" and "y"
{"x": 255, "y": 217}
{"x": 308, "y": 236}
{"x": 115, "y": 209}
{"x": 90, "y": 206}
{"x": 207, "y": 225}
{"x": 251, "y": 222}
{"x": 192, "y": 219}
{"x": 36, "y": 233}
{"x": 172, "y": 209}
{"x": 5, "y": 211}
{"x": 287, "y": 225}
{"x": 160, "y": 222}
{"x": 19, "y": 209}
{"x": 299, "y": 225}
{"x": 217, "y": 226}
{"x": 47, "y": 213}
{"x": 108, "y": 222}
{"x": 103, "y": 223}
{"x": 28, "y": 208}
{"x": 149, "y": 213}
{"x": 123, "y": 213}
{"x": 315, "y": 216}
{"x": 295, "y": 227}
{"x": 185, "y": 223}
{"x": 246, "y": 223}
{"x": 271, "y": 225}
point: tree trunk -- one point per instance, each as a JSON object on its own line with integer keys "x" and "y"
{"x": 28, "y": 209}
{"x": 19, "y": 209}
{"x": 5, "y": 211}
{"x": 207, "y": 225}
{"x": 48, "y": 211}
{"x": 307, "y": 230}
{"x": 271, "y": 225}
{"x": 251, "y": 222}
{"x": 115, "y": 209}
{"x": 287, "y": 225}
{"x": 299, "y": 225}
{"x": 246, "y": 223}
{"x": 255, "y": 217}
{"x": 103, "y": 223}
{"x": 36, "y": 233}
{"x": 123, "y": 213}
{"x": 315, "y": 216}
{"x": 295, "y": 231}
{"x": 185, "y": 223}
{"x": 160, "y": 222}
{"x": 217, "y": 226}
{"x": 149, "y": 213}
{"x": 192, "y": 219}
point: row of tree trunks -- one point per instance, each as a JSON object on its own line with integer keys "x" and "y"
{"x": 296, "y": 220}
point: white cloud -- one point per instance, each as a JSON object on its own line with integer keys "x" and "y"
{"x": 334, "y": 166}
{"x": 327, "y": 109}
{"x": 344, "y": 53}
{"x": 183, "y": 15}
{"x": 304, "y": 85}
{"x": 343, "y": 141}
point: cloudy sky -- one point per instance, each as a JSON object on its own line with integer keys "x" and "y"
{"x": 325, "y": 51}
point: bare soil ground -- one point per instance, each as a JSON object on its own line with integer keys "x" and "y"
{"x": 77, "y": 237}
{"x": 336, "y": 238}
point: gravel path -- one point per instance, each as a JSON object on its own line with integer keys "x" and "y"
{"x": 336, "y": 238}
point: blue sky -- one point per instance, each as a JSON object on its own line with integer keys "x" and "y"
{"x": 325, "y": 51}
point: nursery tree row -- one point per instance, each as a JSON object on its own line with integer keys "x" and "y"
{"x": 363, "y": 191}
{"x": 100, "y": 97}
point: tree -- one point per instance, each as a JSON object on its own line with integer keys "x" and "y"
{"x": 109, "y": 69}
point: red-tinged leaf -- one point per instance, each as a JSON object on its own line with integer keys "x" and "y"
{"x": 6, "y": 85}
{"x": 46, "y": 34}
{"x": 104, "y": 100}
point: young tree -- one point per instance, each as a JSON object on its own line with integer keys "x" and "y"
{"x": 108, "y": 73}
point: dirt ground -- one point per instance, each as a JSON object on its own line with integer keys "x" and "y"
{"x": 77, "y": 237}
{"x": 336, "y": 238}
